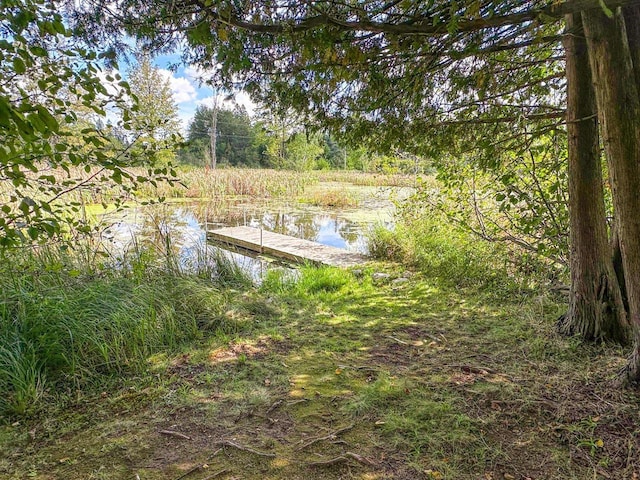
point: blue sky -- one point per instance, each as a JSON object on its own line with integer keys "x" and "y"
{"x": 187, "y": 90}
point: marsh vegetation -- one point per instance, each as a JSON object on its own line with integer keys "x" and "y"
{"x": 445, "y": 366}
{"x": 495, "y": 330}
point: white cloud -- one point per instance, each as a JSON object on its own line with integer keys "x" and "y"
{"x": 202, "y": 75}
{"x": 237, "y": 98}
{"x": 182, "y": 89}
{"x": 243, "y": 98}
{"x": 198, "y": 74}
{"x": 185, "y": 118}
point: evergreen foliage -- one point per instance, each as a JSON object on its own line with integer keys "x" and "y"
{"x": 237, "y": 138}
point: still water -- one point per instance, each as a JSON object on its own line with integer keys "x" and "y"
{"x": 182, "y": 226}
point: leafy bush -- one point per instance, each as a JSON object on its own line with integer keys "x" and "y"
{"x": 56, "y": 147}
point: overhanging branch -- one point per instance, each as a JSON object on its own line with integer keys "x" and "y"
{"x": 418, "y": 26}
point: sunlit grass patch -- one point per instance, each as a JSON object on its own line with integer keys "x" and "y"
{"x": 379, "y": 394}
{"x": 322, "y": 280}
{"x": 309, "y": 281}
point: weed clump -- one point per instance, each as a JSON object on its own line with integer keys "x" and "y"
{"x": 443, "y": 251}
{"x": 332, "y": 198}
{"x": 308, "y": 281}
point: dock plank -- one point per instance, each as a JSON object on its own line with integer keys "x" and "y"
{"x": 284, "y": 246}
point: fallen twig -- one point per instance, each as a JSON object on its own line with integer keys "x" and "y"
{"x": 331, "y": 436}
{"x": 295, "y": 402}
{"x": 171, "y": 433}
{"x": 473, "y": 369}
{"x": 274, "y": 406}
{"x": 215, "y": 453}
{"x": 217, "y": 474}
{"x": 345, "y": 457}
{"x": 229, "y": 443}
{"x": 194, "y": 469}
{"x": 189, "y": 472}
{"x": 326, "y": 463}
{"x": 432, "y": 337}
{"x": 398, "y": 340}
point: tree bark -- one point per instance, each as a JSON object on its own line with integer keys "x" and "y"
{"x": 617, "y": 262}
{"x": 632, "y": 24}
{"x": 619, "y": 113}
{"x": 596, "y": 310}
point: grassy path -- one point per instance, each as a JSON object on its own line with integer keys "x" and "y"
{"x": 341, "y": 376}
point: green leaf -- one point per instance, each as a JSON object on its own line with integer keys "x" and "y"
{"x": 20, "y": 21}
{"x": 5, "y": 112}
{"x": 26, "y": 205}
{"x": 38, "y": 51}
{"x": 59, "y": 27}
{"x": 48, "y": 119}
{"x": 37, "y": 123}
{"x": 19, "y": 66}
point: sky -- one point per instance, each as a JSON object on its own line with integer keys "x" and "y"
{"x": 189, "y": 93}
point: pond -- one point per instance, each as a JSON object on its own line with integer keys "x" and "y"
{"x": 182, "y": 225}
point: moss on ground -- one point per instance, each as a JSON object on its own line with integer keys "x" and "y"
{"x": 340, "y": 376}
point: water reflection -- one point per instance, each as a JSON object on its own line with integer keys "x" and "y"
{"x": 180, "y": 229}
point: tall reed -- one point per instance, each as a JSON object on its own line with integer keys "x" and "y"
{"x": 206, "y": 183}
{"x": 64, "y": 322}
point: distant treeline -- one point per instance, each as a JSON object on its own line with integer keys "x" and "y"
{"x": 277, "y": 142}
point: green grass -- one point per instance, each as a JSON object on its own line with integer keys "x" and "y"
{"x": 448, "y": 253}
{"x": 366, "y": 178}
{"x": 268, "y": 183}
{"x": 429, "y": 379}
{"x": 205, "y": 183}
{"x": 61, "y": 324}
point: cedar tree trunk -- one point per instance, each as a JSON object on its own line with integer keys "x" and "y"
{"x": 619, "y": 112}
{"x": 596, "y": 310}
{"x": 632, "y": 24}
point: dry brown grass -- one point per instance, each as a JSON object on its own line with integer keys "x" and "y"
{"x": 333, "y": 198}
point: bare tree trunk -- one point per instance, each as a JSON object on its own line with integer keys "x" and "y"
{"x": 619, "y": 112}
{"x": 214, "y": 130}
{"x": 617, "y": 262}
{"x": 596, "y": 310}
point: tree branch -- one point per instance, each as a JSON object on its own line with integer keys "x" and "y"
{"x": 418, "y": 26}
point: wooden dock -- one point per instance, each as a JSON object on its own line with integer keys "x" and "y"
{"x": 284, "y": 246}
